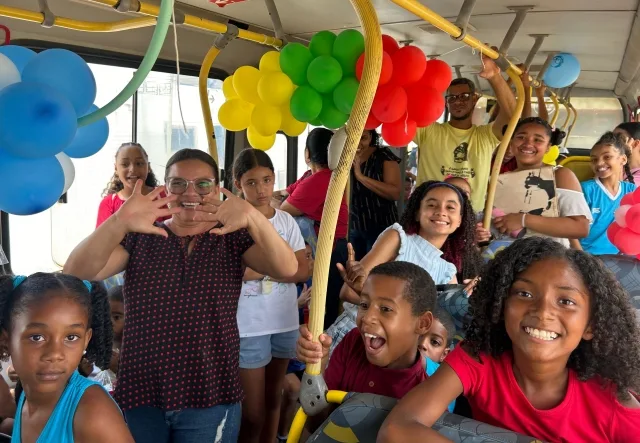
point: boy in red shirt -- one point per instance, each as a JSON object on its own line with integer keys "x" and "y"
{"x": 381, "y": 355}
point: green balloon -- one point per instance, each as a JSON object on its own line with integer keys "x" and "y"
{"x": 322, "y": 43}
{"x": 345, "y": 94}
{"x": 305, "y": 104}
{"x": 324, "y": 73}
{"x": 315, "y": 122}
{"x": 347, "y": 48}
{"x": 330, "y": 116}
{"x": 294, "y": 61}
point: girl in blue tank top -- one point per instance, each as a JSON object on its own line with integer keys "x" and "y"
{"x": 51, "y": 321}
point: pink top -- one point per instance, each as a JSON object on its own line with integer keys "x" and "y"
{"x": 588, "y": 413}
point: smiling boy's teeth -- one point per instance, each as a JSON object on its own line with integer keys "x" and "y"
{"x": 541, "y": 334}
{"x": 370, "y": 335}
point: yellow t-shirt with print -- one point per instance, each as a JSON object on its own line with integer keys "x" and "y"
{"x": 444, "y": 150}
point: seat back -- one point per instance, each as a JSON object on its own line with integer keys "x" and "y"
{"x": 453, "y": 299}
{"x": 627, "y": 272}
{"x": 580, "y": 165}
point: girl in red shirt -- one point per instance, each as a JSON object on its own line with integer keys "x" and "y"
{"x": 552, "y": 352}
{"x": 132, "y": 163}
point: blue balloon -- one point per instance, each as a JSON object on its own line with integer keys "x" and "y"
{"x": 563, "y": 71}
{"x": 89, "y": 139}
{"x": 33, "y": 185}
{"x": 66, "y": 72}
{"x": 35, "y": 121}
{"x": 19, "y": 55}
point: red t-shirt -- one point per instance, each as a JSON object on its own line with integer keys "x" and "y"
{"x": 309, "y": 195}
{"x": 294, "y": 185}
{"x": 588, "y": 413}
{"x": 110, "y": 205}
{"x": 349, "y": 370}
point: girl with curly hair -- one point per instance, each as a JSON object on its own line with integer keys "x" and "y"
{"x": 436, "y": 232}
{"x": 49, "y": 322}
{"x": 552, "y": 352}
{"x": 132, "y": 164}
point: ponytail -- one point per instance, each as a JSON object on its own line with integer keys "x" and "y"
{"x": 557, "y": 135}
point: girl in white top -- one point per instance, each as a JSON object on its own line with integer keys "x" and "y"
{"x": 268, "y": 309}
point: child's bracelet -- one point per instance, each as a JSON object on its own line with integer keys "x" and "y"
{"x": 524, "y": 215}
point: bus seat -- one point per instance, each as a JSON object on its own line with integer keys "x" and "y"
{"x": 580, "y": 165}
{"x": 360, "y": 417}
{"x": 627, "y": 272}
{"x": 453, "y": 299}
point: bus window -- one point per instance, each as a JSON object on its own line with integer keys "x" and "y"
{"x": 278, "y": 155}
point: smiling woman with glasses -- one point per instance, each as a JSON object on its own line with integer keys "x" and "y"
{"x": 178, "y": 372}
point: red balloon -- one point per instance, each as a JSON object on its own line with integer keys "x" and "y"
{"x": 633, "y": 218}
{"x": 385, "y": 73}
{"x": 390, "y": 103}
{"x": 628, "y": 199}
{"x": 409, "y": 64}
{"x": 636, "y": 196}
{"x": 425, "y": 105}
{"x": 612, "y": 231}
{"x": 372, "y": 122}
{"x": 627, "y": 241}
{"x": 437, "y": 75}
{"x": 399, "y": 133}
{"x": 389, "y": 44}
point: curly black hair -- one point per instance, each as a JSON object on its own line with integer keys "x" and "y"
{"x": 460, "y": 247}
{"x": 613, "y": 353}
{"x": 115, "y": 185}
{"x": 38, "y": 286}
{"x": 419, "y": 289}
{"x": 611, "y": 139}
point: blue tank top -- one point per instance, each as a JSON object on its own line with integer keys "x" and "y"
{"x": 59, "y": 427}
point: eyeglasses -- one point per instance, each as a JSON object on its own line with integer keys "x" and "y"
{"x": 202, "y": 186}
{"x": 464, "y": 97}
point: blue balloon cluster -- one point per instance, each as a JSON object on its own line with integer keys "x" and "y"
{"x": 39, "y": 120}
{"x": 563, "y": 71}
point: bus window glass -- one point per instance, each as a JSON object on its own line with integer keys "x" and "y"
{"x": 278, "y": 155}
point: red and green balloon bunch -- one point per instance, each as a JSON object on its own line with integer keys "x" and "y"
{"x": 410, "y": 92}
{"x": 325, "y": 74}
{"x": 624, "y": 232}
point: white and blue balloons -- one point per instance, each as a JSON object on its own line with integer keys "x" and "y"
{"x": 42, "y": 96}
{"x": 563, "y": 71}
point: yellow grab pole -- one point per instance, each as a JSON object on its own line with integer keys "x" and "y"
{"x": 203, "y": 24}
{"x": 204, "y": 100}
{"x": 566, "y": 121}
{"x": 355, "y": 126}
{"x": 504, "y": 144}
{"x": 78, "y": 25}
{"x": 364, "y": 98}
{"x": 575, "y": 118}
{"x": 556, "y": 113}
{"x": 334, "y": 397}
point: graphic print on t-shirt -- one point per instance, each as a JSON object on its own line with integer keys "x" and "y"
{"x": 461, "y": 153}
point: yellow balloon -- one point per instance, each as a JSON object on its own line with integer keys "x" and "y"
{"x": 551, "y": 156}
{"x": 235, "y": 114}
{"x": 270, "y": 62}
{"x": 227, "y": 88}
{"x": 245, "y": 82}
{"x": 266, "y": 119}
{"x": 259, "y": 141}
{"x": 275, "y": 88}
{"x": 290, "y": 125}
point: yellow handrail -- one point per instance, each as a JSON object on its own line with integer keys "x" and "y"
{"x": 203, "y": 24}
{"x": 566, "y": 121}
{"x": 204, "y": 100}
{"x": 334, "y": 397}
{"x": 78, "y": 25}
{"x": 573, "y": 123}
{"x": 556, "y": 113}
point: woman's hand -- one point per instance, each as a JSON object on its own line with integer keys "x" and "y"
{"x": 524, "y": 77}
{"x": 357, "y": 166}
{"x": 490, "y": 68}
{"x": 470, "y": 285}
{"x": 305, "y": 297}
{"x": 139, "y": 212}
{"x": 354, "y": 275}
{"x": 509, "y": 223}
{"x": 308, "y": 351}
{"x": 234, "y": 213}
{"x": 482, "y": 235}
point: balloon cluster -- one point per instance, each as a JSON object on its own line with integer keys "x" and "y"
{"x": 258, "y": 100}
{"x": 624, "y": 232}
{"x": 41, "y": 98}
{"x": 410, "y": 92}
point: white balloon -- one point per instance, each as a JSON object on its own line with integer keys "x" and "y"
{"x": 336, "y": 146}
{"x": 9, "y": 74}
{"x": 68, "y": 168}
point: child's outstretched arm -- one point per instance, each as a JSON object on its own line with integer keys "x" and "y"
{"x": 412, "y": 418}
{"x": 98, "y": 419}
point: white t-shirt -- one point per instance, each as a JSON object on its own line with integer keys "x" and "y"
{"x": 268, "y": 307}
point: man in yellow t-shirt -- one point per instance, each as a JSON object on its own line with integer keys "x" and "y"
{"x": 458, "y": 147}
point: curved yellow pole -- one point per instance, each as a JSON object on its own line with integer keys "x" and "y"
{"x": 297, "y": 426}
{"x": 355, "y": 126}
{"x": 204, "y": 100}
{"x": 566, "y": 121}
{"x": 504, "y": 144}
{"x": 78, "y": 25}
{"x": 573, "y": 123}
{"x": 556, "y": 113}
